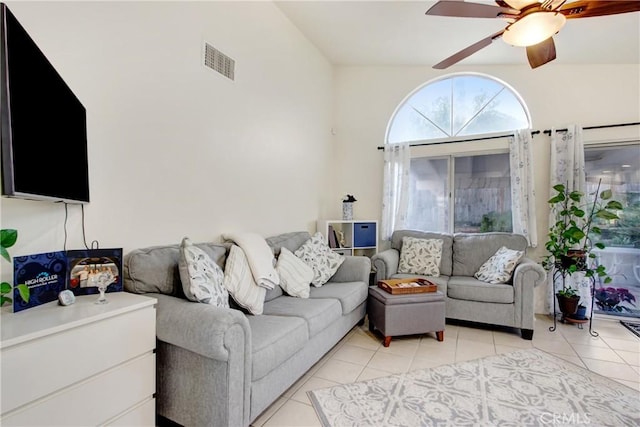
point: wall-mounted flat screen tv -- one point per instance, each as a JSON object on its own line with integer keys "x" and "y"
{"x": 43, "y": 124}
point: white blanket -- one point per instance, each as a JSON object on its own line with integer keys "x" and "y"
{"x": 259, "y": 256}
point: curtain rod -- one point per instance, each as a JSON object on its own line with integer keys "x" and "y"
{"x": 617, "y": 125}
{"x": 535, "y": 132}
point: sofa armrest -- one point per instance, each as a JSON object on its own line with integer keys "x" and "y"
{"x": 353, "y": 269}
{"x": 527, "y": 275}
{"x": 200, "y": 328}
{"x": 529, "y": 271}
{"x": 386, "y": 263}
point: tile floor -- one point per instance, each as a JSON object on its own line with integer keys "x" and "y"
{"x": 361, "y": 356}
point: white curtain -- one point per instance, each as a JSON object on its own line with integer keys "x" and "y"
{"x": 522, "y": 189}
{"x": 395, "y": 192}
{"x": 567, "y": 167}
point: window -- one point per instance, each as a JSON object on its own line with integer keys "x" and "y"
{"x": 458, "y": 105}
{"x": 618, "y": 166}
{"x": 459, "y": 192}
{"x": 480, "y": 197}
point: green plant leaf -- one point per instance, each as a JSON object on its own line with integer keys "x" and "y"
{"x": 559, "y": 188}
{"x": 556, "y": 199}
{"x": 4, "y": 300}
{"x": 8, "y": 237}
{"x": 5, "y": 288}
{"x": 599, "y": 246}
{"x": 596, "y": 230}
{"x": 24, "y": 292}
{"x": 608, "y": 280}
{"x": 604, "y": 214}
{"x": 614, "y": 204}
{"x": 606, "y": 194}
{"x": 5, "y": 254}
{"x": 575, "y": 196}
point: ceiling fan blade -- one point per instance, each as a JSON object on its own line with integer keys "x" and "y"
{"x": 462, "y": 9}
{"x": 464, "y": 53}
{"x": 587, "y": 9}
{"x": 541, "y": 53}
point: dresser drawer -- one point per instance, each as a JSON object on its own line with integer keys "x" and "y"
{"x": 93, "y": 401}
{"x": 37, "y": 368}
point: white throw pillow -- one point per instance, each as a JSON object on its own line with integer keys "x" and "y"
{"x": 201, "y": 277}
{"x": 420, "y": 256}
{"x": 295, "y": 275}
{"x": 323, "y": 261}
{"x": 500, "y": 266}
{"x": 239, "y": 282}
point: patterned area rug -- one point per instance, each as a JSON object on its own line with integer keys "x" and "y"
{"x": 633, "y": 327}
{"x": 523, "y": 388}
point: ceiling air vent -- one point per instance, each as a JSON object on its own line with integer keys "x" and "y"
{"x": 219, "y": 62}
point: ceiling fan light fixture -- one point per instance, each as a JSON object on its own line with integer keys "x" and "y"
{"x": 533, "y": 28}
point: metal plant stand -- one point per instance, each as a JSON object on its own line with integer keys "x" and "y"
{"x": 562, "y": 273}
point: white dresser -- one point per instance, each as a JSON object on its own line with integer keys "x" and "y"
{"x": 83, "y": 364}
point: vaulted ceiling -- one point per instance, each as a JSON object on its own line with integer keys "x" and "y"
{"x": 363, "y": 32}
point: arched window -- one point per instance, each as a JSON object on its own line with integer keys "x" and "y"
{"x": 459, "y": 190}
{"x": 458, "y": 105}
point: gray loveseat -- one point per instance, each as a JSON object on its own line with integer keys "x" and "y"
{"x": 222, "y": 367}
{"x": 467, "y": 298}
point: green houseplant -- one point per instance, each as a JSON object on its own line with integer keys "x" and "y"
{"x": 8, "y": 238}
{"x": 569, "y": 241}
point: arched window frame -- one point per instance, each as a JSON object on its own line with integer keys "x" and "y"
{"x": 439, "y": 79}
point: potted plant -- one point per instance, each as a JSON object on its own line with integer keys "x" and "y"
{"x": 569, "y": 241}
{"x": 8, "y": 238}
{"x": 568, "y": 299}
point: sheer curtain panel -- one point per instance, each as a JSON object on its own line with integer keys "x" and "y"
{"x": 522, "y": 188}
{"x": 395, "y": 192}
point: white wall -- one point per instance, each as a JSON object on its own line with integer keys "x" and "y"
{"x": 366, "y": 98}
{"x": 176, "y": 149}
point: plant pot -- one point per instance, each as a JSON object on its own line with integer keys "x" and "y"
{"x": 568, "y": 305}
{"x": 581, "y": 313}
{"x": 575, "y": 257}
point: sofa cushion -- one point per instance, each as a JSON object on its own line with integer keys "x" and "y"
{"x": 350, "y": 294}
{"x": 239, "y": 282}
{"x": 470, "y": 289}
{"x": 471, "y": 250}
{"x": 273, "y": 293}
{"x": 274, "y": 339}
{"x": 500, "y": 266}
{"x": 295, "y": 275}
{"x": 447, "y": 246}
{"x": 201, "y": 277}
{"x": 318, "y": 313}
{"x": 155, "y": 269}
{"x": 420, "y": 256}
{"x": 316, "y": 254}
{"x": 291, "y": 241}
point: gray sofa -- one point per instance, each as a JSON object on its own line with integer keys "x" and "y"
{"x": 222, "y": 367}
{"x": 467, "y": 298}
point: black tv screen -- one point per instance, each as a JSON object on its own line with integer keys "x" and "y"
{"x": 44, "y": 127}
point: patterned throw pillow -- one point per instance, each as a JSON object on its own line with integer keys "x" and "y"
{"x": 239, "y": 282}
{"x": 420, "y": 256}
{"x": 201, "y": 277}
{"x": 323, "y": 261}
{"x": 295, "y": 275}
{"x": 499, "y": 267}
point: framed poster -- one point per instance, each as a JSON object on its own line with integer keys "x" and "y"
{"x": 44, "y": 274}
{"x": 87, "y": 268}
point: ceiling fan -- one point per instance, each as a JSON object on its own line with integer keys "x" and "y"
{"x": 532, "y": 23}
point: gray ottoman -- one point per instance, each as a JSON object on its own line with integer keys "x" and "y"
{"x": 405, "y": 314}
